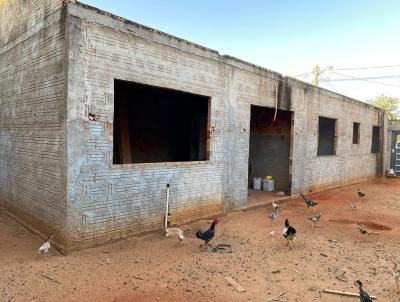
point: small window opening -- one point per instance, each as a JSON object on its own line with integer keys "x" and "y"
{"x": 326, "y": 136}
{"x": 356, "y": 133}
{"x": 376, "y": 143}
{"x": 153, "y": 124}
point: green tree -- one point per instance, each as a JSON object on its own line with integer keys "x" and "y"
{"x": 390, "y": 104}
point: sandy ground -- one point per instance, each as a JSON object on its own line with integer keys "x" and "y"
{"x": 156, "y": 268}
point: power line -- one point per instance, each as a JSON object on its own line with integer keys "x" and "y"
{"x": 353, "y": 78}
{"x": 367, "y": 78}
{"x": 371, "y": 67}
{"x": 333, "y": 88}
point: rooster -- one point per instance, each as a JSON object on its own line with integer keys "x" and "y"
{"x": 396, "y": 275}
{"x": 309, "y": 202}
{"x": 314, "y": 219}
{"x": 289, "y": 233}
{"x": 364, "y": 297}
{"x": 360, "y": 194}
{"x": 44, "y": 248}
{"x": 208, "y": 235}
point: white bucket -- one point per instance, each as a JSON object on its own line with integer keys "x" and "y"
{"x": 257, "y": 183}
{"x": 268, "y": 185}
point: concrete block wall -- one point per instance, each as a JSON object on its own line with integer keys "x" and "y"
{"x": 352, "y": 162}
{"x": 32, "y": 114}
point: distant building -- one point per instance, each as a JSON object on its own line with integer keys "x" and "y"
{"x": 393, "y": 142}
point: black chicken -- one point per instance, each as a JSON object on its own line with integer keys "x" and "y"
{"x": 360, "y": 194}
{"x": 309, "y": 202}
{"x": 208, "y": 235}
{"x": 289, "y": 233}
{"x": 364, "y": 297}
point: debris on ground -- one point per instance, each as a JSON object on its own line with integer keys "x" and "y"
{"x": 236, "y": 285}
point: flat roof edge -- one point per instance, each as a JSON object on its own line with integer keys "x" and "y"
{"x": 346, "y": 98}
{"x": 174, "y": 41}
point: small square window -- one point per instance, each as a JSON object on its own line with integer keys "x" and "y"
{"x": 356, "y": 133}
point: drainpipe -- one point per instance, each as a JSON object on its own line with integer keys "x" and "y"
{"x": 166, "y": 210}
{"x": 276, "y": 100}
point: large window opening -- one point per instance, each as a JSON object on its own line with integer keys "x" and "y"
{"x": 326, "y": 136}
{"x": 356, "y": 133}
{"x": 153, "y": 124}
{"x": 376, "y": 143}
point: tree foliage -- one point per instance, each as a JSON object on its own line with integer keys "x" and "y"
{"x": 390, "y": 104}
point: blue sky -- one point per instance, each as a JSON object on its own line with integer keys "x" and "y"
{"x": 290, "y": 37}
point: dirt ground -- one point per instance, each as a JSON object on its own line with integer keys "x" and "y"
{"x": 158, "y": 268}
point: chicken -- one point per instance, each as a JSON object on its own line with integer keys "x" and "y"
{"x": 361, "y": 229}
{"x": 44, "y": 248}
{"x": 364, "y": 297}
{"x": 309, "y": 202}
{"x": 360, "y": 194}
{"x": 314, "y": 219}
{"x": 275, "y": 206}
{"x": 208, "y": 235}
{"x": 289, "y": 233}
{"x": 396, "y": 275}
{"x": 275, "y": 214}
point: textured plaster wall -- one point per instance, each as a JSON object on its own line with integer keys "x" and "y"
{"x": 32, "y": 114}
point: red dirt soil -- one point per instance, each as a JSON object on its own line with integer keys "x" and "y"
{"x": 159, "y": 268}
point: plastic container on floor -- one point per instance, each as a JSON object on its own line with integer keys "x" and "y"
{"x": 268, "y": 185}
{"x": 257, "y": 183}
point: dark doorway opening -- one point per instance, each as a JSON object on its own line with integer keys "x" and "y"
{"x": 154, "y": 124}
{"x": 270, "y": 146}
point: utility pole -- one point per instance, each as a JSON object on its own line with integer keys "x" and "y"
{"x": 316, "y": 75}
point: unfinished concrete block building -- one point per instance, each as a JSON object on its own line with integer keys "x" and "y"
{"x": 98, "y": 114}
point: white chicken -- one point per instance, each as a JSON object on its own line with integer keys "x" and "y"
{"x": 44, "y": 248}
{"x": 275, "y": 206}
